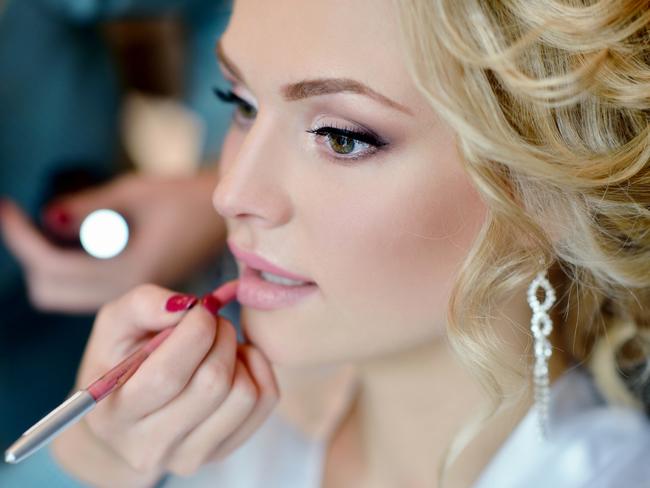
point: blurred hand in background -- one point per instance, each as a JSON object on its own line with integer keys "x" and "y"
{"x": 174, "y": 231}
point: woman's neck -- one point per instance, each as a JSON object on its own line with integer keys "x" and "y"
{"x": 407, "y": 410}
{"x": 389, "y": 422}
{"x": 411, "y": 409}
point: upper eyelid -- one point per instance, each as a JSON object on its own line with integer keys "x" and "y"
{"x": 234, "y": 98}
{"x": 358, "y": 135}
{"x": 241, "y": 97}
{"x": 353, "y": 128}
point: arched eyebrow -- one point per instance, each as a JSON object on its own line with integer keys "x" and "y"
{"x": 320, "y": 86}
{"x": 325, "y": 86}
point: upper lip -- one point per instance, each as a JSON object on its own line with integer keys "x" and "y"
{"x": 261, "y": 264}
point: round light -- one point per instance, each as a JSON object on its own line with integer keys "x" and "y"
{"x": 104, "y": 233}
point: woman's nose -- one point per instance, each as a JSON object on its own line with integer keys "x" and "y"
{"x": 251, "y": 183}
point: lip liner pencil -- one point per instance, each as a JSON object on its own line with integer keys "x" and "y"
{"x": 83, "y": 401}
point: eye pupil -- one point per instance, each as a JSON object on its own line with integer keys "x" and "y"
{"x": 342, "y": 144}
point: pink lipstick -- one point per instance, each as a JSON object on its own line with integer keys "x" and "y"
{"x": 83, "y": 401}
{"x": 266, "y": 286}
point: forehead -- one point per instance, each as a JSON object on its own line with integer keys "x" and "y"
{"x": 283, "y": 41}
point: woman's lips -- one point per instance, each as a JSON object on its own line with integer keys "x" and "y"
{"x": 255, "y": 292}
{"x": 281, "y": 288}
{"x": 261, "y": 264}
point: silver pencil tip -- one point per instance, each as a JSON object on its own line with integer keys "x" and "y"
{"x": 10, "y": 458}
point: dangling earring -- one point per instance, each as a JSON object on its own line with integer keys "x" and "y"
{"x": 541, "y": 327}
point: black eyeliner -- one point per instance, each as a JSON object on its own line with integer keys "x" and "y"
{"x": 365, "y": 137}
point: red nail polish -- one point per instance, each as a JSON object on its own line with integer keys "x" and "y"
{"x": 58, "y": 217}
{"x": 211, "y": 303}
{"x": 177, "y": 303}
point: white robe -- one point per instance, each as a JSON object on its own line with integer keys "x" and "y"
{"x": 591, "y": 445}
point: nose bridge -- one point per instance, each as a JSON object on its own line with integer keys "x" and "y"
{"x": 251, "y": 184}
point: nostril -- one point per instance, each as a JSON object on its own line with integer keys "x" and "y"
{"x": 229, "y": 207}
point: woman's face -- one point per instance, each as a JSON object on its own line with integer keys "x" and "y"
{"x": 336, "y": 170}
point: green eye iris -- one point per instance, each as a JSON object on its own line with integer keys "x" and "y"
{"x": 247, "y": 111}
{"x": 347, "y": 143}
{"x": 341, "y": 144}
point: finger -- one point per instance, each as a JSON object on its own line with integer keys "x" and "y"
{"x": 66, "y": 213}
{"x": 36, "y": 253}
{"x": 205, "y": 393}
{"x": 164, "y": 428}
{"x": 268, "y": 394}
{"x": 124, "y": 325}
{"x": 69, "y": 295}
{"x": 197, "y": 447}
{"x": 23, "y": 239}
{"x": 169, "y": 368}
{"x": 211, "y": 382}
{"x": 136, "y": 313}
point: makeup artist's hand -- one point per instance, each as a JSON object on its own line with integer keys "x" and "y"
{"x": 174, "y": 230}
{"x": 195, "y": 399}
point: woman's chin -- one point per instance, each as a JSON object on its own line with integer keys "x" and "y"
{"x": 283, "y": 338}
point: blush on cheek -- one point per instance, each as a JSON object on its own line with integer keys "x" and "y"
{"x": 437, "y": 234}
{"x": 395, "y": 258}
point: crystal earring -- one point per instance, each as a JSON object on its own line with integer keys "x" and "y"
{"x": 541, "y": 327}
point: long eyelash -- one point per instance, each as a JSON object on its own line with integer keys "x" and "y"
{"x": 365, "y": 137}
{"x": 230, "y": 97}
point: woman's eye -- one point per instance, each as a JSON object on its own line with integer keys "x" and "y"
{"x": 348, "y": 143}
{"x": 342, "y": 144}
{"x": 245, "y": 112}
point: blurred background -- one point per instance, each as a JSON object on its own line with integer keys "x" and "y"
{"x": 104, "y": 103}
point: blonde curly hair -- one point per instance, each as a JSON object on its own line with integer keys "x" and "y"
{"x": 550, "y": 101}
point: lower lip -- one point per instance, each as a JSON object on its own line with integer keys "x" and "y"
{"x": 255, "y": 292}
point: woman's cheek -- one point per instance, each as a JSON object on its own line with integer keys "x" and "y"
{"x": 403, "y": 245}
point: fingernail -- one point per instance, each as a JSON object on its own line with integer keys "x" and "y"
{"x": 58, "y": 217}
{"x": 211, "y": 303}
{"x": 177, "y": 303}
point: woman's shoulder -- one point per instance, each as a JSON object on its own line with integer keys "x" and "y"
{"x": 590, "y": 444}
{"x": 611, "y": 443}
